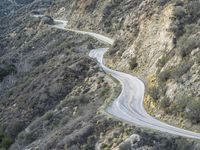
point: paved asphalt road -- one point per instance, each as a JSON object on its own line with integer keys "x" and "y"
{"x": 129, "y": 105}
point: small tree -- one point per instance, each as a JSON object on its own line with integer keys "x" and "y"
{"x": 164, "y": 75}
{"x": 154, "y": 93}
{"x": 193, "y": 110}
{"x": 165, "y": 102}
{"x": 133, "y": 63}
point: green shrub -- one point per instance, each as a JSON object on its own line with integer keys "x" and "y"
{"x": 133, "y": 63}
{"x": 187, "y": 44}
{"x": 164, "y": 103}
{"x": 183, "y": 144}
{"x": 175, "y": 28}
{"x": 74, "y": 100}
{"x": 163, "y": 2}
{"x": 193, "y": 10}
{"x": 162, "y": 61}
{"x": 182, "y": 101}
{"x": 118, "y": 46}
{"x": 179, "y": 12}
{"x": 48, "y": 115}
{"x": 6, "y": 70}
{"x": 154, "y": 93}
{"x": 192, "y": 111}
{"x": 104, "y": 91}
{"x": 180, "y": 70}
{"x": 164, "y": 75}
{"x": 90, "y": 46}
{"x": 5, "y": 140}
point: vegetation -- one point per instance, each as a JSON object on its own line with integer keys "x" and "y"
{"x": 154, "y": 92}
{"x": 192, "y": 110}
{"x": 133, "y": 63}
{"x": 187, "y": 43}
{"x": 165, "y": 103}
{"x": 7, "y": 70}
{"x": 5, "y": 140}
{"x": 164, "y": 75}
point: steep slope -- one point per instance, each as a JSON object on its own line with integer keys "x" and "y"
{"x": 158, "y": 41}
{"x": 51, "y": 91}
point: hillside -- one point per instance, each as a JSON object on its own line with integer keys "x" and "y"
{"x": 155, "y": 40}
{"x": 53, "y": 95}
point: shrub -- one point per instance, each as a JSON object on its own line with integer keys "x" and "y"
{"x": 115, "y": 47}
{"x": 179, "y": 12}
{"x": 187, "y": 44}
{"x": 74, "y": 100}
{"x": 90, "y": 46}
{"x": 5, "y": 140}
{"x": 83, "y": 98}
{"x": 193, "y": 110}
{"x": 154, "y": 93}
{"x": 107, "y": 9}
{"x": 183, "y": 144}
{"x": 6, "y": 70}
{"x": 104, "y": 91}
{"x": 164, "y": 103}
{"x": 133, "y": 63}
{"x": 48, "y": 115}
{"x": 91, "y": 7}
{"x": 162, "y": 61}
{"x": 193, "y": 10}
{"x": 181, "y": 69}
{"x": 182, "y": 101}
{"x": 175, "y": 28}
{"x": 164, "y": 75}
{"x": 163, "y": 2}
{"x": 178, "y": 3}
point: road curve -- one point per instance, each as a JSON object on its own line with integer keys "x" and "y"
{"x": 129, "y": 106}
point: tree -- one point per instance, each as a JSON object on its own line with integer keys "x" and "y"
{"x": 193, "y": 110}
{"x": 133, "y": 63}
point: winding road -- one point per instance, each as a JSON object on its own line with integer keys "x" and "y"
{"x": 129, "y": 106}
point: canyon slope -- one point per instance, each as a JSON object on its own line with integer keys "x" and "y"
{"x": 53, "y": 95}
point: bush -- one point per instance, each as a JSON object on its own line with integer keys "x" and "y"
{"x": 179, "y": 12}
{"x": 154, "y": 93}
{"x": 164, "y": 75}
{"x": 5, "y": 140}
{"x": 193, "y": 10}
{"x": 118, "y": 47}
{"x": 183, "y": 144}
{"x": 74, "y": 100}
{"x": 6, "y": 70}
{"x": 187, "y": 44}
{"x": 193, "y": 110}
{"x": 181, "y": 69}
{"x": 163, "y": 2}
{"x": 107, "y": 9}
{"x": 162, "y": 61}
{"x": 176, "y": 29}
{"x": 164, "y": 103}
{"x": 133, "y": 63}
{"x": 182, "y": 101}
{"x": 48, "y": 115}
{"x": 104, "y": 91}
